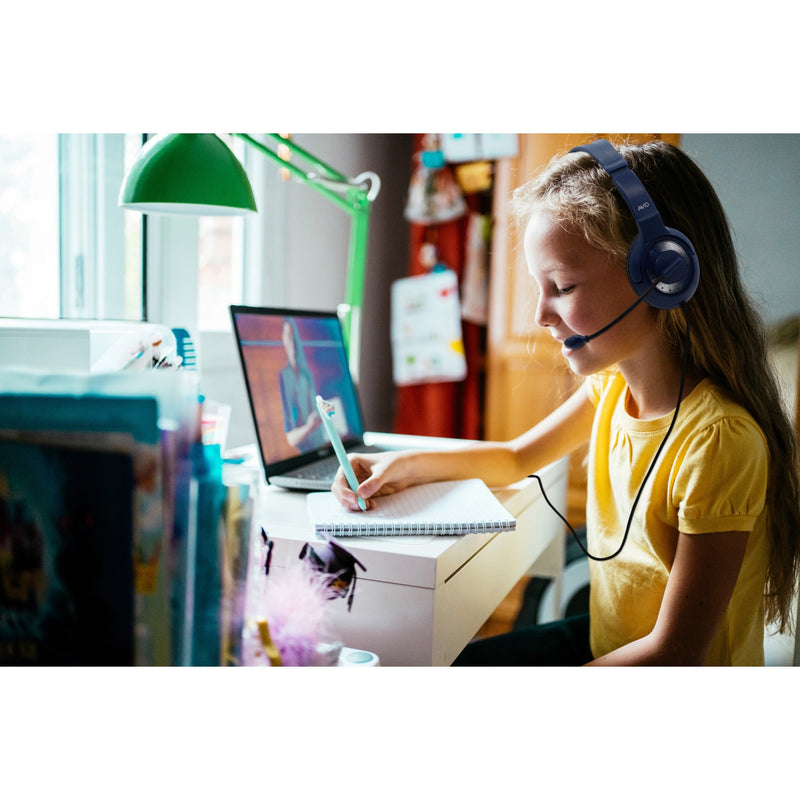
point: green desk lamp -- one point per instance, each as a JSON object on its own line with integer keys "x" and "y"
{"x": 198, "y": 174}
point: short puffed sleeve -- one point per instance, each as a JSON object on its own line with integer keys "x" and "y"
{"x": 720, "y": 482}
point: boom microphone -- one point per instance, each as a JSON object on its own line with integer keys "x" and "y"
{"x": 577, "y": 341}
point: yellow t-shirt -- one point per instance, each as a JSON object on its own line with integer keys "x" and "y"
{"x": 711, "y": 476}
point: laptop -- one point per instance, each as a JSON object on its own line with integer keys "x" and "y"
{"x": 288, "y": 357}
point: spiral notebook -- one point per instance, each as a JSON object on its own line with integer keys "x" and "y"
{"x": 447, "y": 508}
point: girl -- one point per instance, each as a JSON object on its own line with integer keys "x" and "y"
{"x": 688, "y": 562}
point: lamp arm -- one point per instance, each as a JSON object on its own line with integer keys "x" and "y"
{"x": 327, "y": 170}
{"x": 356, "y": 201}
{"x": 345, "y": 192}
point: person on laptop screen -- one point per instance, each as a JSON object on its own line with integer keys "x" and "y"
{"x": 300, "y": 419}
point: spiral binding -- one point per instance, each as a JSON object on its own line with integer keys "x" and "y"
{"x": 384, "y": 528}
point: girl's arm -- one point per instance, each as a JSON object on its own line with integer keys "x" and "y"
{"x": 497, "y": 463}
{"x": 698, "y": 591}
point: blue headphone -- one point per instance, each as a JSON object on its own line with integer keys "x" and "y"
{"x": 662, "y": 265}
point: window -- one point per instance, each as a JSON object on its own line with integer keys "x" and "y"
{"x": 219, "y": 270}
{"x": 29, "y": 243}
{"x": 66, "y": 248}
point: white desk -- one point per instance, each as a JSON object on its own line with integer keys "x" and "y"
{"x": 422, "y": 598}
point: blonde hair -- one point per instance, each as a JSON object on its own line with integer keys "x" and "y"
{"x": 728, "y": 340}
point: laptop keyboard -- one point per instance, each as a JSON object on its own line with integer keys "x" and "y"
{"x": 324, "y": 468}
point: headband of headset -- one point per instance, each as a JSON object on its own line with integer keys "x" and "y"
{"x": 662, "y": 264}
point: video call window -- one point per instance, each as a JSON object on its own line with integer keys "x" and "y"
{"x": 288, "y": 361}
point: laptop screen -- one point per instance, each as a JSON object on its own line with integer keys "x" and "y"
{"x": 288, "y": 357}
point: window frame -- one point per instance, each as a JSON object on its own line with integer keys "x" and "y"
{"x": 92, "y": 230}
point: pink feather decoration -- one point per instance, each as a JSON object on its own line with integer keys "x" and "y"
{"x": 295, "y": 603}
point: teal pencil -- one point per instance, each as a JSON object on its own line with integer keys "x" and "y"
{"x": 326, "y": 411}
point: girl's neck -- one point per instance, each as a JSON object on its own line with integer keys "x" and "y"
{"x": 653, "y": 384}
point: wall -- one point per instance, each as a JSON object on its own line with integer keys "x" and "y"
{"x": 317, "y": 242}
{"x": 757, "y": 178}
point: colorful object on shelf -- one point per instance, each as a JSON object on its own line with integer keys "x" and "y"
{"x": 433, "y": 195}
{"x": 271, "y": 652}
{"x": 184, "y": 345}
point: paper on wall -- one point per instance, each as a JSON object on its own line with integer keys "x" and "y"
{"x": 427, "y": 343}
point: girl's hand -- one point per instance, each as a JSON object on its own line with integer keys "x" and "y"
{"x": 380, "y": 474}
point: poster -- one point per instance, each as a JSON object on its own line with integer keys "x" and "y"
{"x": 427, "y": 343}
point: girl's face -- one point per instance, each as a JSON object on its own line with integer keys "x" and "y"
{"x": 581, "y": 289}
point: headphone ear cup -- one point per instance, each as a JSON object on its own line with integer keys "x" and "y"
{"x": 670, "y": 259}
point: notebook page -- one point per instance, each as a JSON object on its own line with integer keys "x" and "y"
{"x": 455, "y": 505}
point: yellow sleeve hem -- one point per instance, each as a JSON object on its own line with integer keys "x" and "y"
{"x": 718, "y": 524}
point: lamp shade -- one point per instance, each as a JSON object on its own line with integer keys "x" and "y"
{"x": 187, "y": 173}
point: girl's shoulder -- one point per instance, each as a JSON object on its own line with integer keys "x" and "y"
{"x": 715, "y": 403}
{"x": 715, "y": 421}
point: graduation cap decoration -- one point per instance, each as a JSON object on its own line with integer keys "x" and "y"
{"x": 332, "y": 559}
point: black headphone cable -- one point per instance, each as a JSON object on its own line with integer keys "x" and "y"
{"x": 649, "y": 470}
